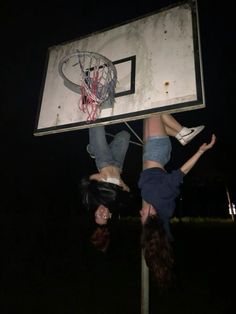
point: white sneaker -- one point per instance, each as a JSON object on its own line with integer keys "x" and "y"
{"x": 88, "y": 150}
{"x": 187, "y": 134}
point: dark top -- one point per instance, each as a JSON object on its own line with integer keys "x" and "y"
{"x": 160, "y": 189}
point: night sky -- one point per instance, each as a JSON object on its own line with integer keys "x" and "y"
{"x": 42, "y": 173}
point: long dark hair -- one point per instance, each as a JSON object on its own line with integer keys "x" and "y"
{"x": 100, "y": 238}
{"x": 158, "y": 251}
{"x": 95, "y": 193}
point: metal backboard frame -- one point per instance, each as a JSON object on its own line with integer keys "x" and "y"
{"x": 159, "y": 69}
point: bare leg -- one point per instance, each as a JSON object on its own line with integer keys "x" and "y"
{"x": 154, "y": 126}
{"x": 162, "y": 124}
{"x": 172, "y": 126}
{"x": 183, "y": 134}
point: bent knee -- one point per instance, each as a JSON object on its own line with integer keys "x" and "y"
{"x": 124, "y": 134}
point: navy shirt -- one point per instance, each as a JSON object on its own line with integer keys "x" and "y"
{"x": 160, "y": 189}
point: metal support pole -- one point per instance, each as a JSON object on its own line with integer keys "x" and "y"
{"x": 144, "y": 286}
{"x": 144, "y": 283}
{"x": 230, "y": 204}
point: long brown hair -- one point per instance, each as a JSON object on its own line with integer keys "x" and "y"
{"x": 158, "y": 251}
{"x": 100, "y": 238}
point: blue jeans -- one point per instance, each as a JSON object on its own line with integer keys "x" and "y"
{"x": 112, "y": 154}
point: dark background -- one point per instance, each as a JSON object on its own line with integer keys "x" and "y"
{"x": 46, "y": 263}
{"x": 41, "y": 174}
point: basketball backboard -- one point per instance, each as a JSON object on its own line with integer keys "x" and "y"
{"x": 158, "y": 62}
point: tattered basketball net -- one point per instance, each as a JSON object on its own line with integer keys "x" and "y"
{"x": 98, "y": 83}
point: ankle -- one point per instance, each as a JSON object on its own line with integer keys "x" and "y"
{"x": 182, "y": 132}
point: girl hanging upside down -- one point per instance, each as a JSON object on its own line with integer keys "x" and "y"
{"x": 159, "y": 190}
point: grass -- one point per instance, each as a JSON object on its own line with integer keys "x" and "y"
{"x": 49, "y": 268}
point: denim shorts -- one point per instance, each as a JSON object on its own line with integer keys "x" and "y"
{"x": 158, "y": 148}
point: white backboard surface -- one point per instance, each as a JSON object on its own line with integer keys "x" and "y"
{"x": 158, "y": 63}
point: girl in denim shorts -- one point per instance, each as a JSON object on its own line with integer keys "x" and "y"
{"x": 159, "y": 190}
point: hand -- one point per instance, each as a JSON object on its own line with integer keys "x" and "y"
{"x": 189, "y": 164}
{"x": 98, "y": 176}
{"x": 124, "y": 186}
{"x": 204, "y": 147}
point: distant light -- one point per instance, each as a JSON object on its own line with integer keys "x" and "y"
{"x": 232, "y": 210}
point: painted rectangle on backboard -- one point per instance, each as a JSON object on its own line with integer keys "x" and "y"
{"x": 158, "y": 63}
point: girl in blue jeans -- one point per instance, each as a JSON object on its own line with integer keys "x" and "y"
{"x": 105, "y": 190}
{"x": 103, "y": 187}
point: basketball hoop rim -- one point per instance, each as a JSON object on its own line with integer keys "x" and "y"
{"x": 73, "y": 86}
